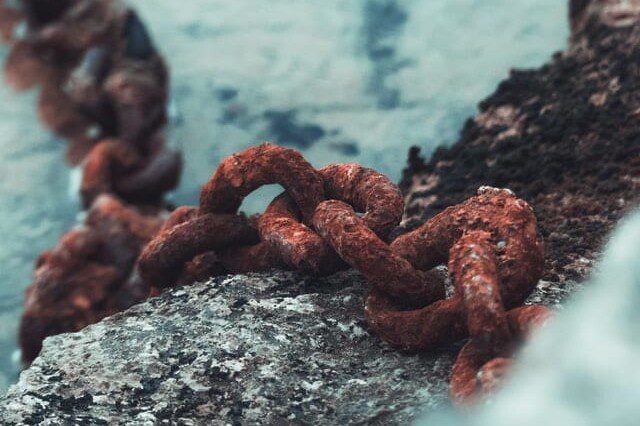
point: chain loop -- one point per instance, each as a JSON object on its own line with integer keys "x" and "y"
{"x": 240, "y": 174}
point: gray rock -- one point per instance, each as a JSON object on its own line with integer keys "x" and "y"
{"x": 263, "y": 348}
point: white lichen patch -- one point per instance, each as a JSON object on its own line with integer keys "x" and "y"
{"x": 230, "y": 366}
{"x": 313, "y": 386}
{"x": 352, "y": 329}
{"x": 301, "y": 304}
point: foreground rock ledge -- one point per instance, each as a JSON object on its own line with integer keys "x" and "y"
{"x": 264, "y": 348}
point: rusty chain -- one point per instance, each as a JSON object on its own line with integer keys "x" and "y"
{"x": 490, "y": 242}
{"x": 104, "y": 88}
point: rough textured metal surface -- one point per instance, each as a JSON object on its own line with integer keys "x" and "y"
{"x": 368, "y": 191}
{"x": 262, "y": 348}
{"x": 163, "y": 259}
{"x": 240, "y": 174}
{"x": 89, "y": 275}
{"x": 361, "y": 248}
{"x": 510, "y": 237}
{"x": 477, "y": 373}
{"x": 297, "y": 245}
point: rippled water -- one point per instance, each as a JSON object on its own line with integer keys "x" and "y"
{"x": 357, "y": 80}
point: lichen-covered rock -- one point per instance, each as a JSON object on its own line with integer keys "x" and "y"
{"x": 272, "y": 348}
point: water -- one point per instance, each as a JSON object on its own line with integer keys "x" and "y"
{"x": 344, "y": 81}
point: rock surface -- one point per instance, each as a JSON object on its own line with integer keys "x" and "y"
{"x": 274, "y": 348}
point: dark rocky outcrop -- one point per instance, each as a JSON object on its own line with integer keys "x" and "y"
{"x": 565, "y": 137}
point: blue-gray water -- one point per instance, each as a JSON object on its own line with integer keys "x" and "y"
{"x": 357, "y": 80}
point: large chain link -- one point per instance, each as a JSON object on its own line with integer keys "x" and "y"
{"x": 110, "y": 78}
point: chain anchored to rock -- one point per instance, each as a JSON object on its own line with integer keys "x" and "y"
{"x": 340, "y": 216}
{"x": 104, "y": 88}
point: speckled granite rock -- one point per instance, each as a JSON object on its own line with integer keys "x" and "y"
{"x": 273, "y": 348}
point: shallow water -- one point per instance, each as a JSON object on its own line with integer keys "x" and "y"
{"x": 357, "y": 81}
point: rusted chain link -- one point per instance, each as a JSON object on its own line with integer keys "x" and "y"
{"x": 298, "y": 246}
{"x": 475, "y": 373}
{"x": 369, "y": 192}
{"x": 88, "y": 275}
{"x": 99, "y": 70}
{"x": 164, "y": 258}
{"x": 360, "y": 247}
{"x": 490, "y": 242}
{"x": 239, "y": 175}
{"x": 100, "y": 74}
{"x": 114, "y": 167}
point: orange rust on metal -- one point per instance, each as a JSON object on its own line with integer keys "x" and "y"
{"x": 524, "y": 320}
{"x": 296, "y": 245}
{"x": 473, "y": 267}
{"x": 137, "y": 90}
{"x": 475, "y": 374}
{"x": 513, "y": 228}
{"x": 367, "y": 191}
{"x": 157, "y": 174}
{"x": 113, "y": 217}
{"x": 492, "y": 374}
{"x": 60, "y": 114}
{"x": 26, "y": 67}
{"x": 105, "y": 161}
{"x": 100, "y": 80}
{"x": 99, "y": 71}
{"x": 361, "y": 248}
{"x": 242, "y": 173}
{"x": 163, "y": 259}
{"x": 87, "y": 276}
{"x": 114, "y": 167}
{"x": 253, "y": 258}
{"x": 502, "y": 228}
{"x": 201, "y": 268}
{"x": 463, "y": 385}
{"x": 180, "y": 215}
{"x": 427, "y": 328}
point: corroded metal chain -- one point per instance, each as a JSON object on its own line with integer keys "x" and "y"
{"x": 103, "y": 88}
{"x": 490, "y": 242}
{"x": 326, "y": 220}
